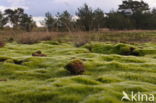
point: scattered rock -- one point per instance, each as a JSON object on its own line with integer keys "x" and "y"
{"x": 3, "y": 80}
{"x": 75, "y": 67}
{"x": 39, "y": 53}
{"x": 2, "y": 44}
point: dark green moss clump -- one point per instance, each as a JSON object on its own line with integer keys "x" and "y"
{"x": 122, "y": 49}
{"x": 99, "y": 48}
{"x": 3, "y": 59}
{"x": 75, "y": 67}
{"x": 12, "y": 60}
{"x": 19, "y": 62}
{"x": 125, "y": 49}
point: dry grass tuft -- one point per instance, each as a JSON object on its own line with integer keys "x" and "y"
{"x": 80, "y": 38}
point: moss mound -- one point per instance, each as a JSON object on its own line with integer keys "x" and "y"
{"x": 122, "y": 49}
{"x": 125, "y": 49}
{"x": 12, "y": 60}
{"x": 3, "y": 59}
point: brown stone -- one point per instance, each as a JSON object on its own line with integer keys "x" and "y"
{"x": 3, "y": 80}
{"x": 2, "y": 44}
{"x": 38, "y": 53}
{"x": 75, "y": 67}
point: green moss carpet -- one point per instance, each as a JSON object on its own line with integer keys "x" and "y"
{"x": 109, "y": 72}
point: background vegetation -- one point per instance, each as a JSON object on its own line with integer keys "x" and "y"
{"x": 130, "y": 15}
{"x": 117, "y": 51}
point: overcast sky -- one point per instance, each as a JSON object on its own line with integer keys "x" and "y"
{"x": 37, "y": 8}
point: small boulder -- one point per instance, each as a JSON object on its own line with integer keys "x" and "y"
{"x": 3, "y": 80}
{"x": 75, "y": 67}
{"x": 2, "y": 44}
{"x": 39, "y": 53}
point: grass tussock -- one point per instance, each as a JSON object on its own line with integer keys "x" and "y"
{"x": 80, "y": 38}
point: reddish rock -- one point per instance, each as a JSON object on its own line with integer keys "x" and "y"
{"x": 2, "y": 44}
{"x": 3, "y": 80}
{"x": 75, "y": 67}
{"x": 38, "y": 53}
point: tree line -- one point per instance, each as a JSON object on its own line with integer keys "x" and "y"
{"x": 129, "y": 15}
{"x": 17, "y": 18}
